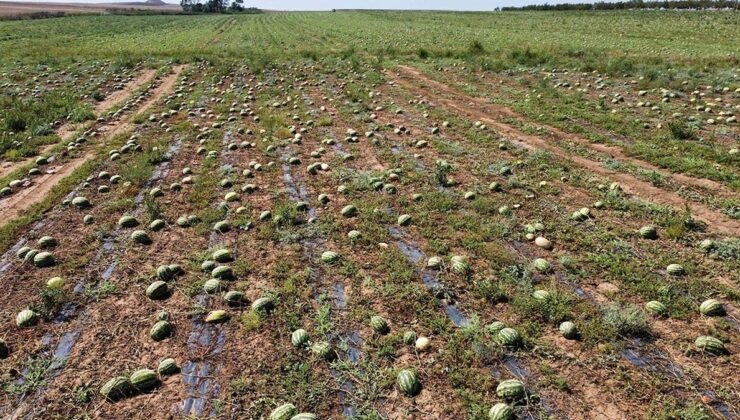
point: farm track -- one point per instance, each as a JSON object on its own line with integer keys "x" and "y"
{"x": 14, "y": 205}
{"x": 424, "y": 87}
{"x": 67, "y": 130}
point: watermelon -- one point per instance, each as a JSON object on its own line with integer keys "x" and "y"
{"x": 501, "y": 411}
{"x": 379, "y": 324}
{"x": 26, "y": 318}
{"x": 164, "y": 273}
{"x": 329, "y": 257}
{"x": 711, "y": 307}
{"x": 460, "y": 265}
{"x": 43, "y": 259}
{"x": 158, "y": 290}
{"x": 323, "y": 350}
{"x": 217, "y": 317}
{"x": 710, "y": 344}
{"x": 127, "y": 222}
{"x": 568, "y": 330}
{"x": 349, "y": 211}
{"x": 116, "y": 388}
{"x": 656, "y": 308}
{"x": 407, "y": 382}
{"x": 283, "y": 412}
{"x": 675, "y": 270}
{"x": 508, "y": 337}
{"x": 263, "y": 305}
{"x": 234, "y": 298}
{"x": 144, "y": 380}
{"x": 160, "y": 330}
{"x": 141, "y": 237}
{"x": 213, "y": 286}
{"x": 223, "y": 256}
{"x": 510, "y": 390}
{"x": 299, "y": 337}
{"x": 404, "y": 220}
{"x": 168, "y": 367}
{"x": 648, "y": 232}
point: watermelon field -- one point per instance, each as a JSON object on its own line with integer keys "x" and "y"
{"x": 371, "y": 215}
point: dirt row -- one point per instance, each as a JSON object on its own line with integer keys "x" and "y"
{"x": 16, "y": 204}
{"x": 491, "y": 115}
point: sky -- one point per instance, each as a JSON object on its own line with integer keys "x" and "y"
{"x": 359, "y": 4}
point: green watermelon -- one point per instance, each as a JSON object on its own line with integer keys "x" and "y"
{"x": 26, "y": 318}
{"x": 160, "y": 330}
{"x": 711, "y": 307}
{"x": 407, "y": 382}
{"x": 510, "y": 390}
{"x": 710, "y": 344}
{"x": 299, "y": 337}
{"x": 508, "y": 337}
{"x": 168, "y": 367}
{"x": 158, "y": 290}
{"x": 501, "y": 411}
{"x": 283, "y": 412}
{"x": 144, "y": 380}
{"x": 116, "y": 388}
{"x": 379, "y": 324}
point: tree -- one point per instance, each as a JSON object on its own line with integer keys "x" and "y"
{"x": 237, "y": 6}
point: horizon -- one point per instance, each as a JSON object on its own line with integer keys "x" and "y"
{"x": 326, "y": 5}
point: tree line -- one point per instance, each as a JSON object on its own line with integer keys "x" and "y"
{"x": 216, "y": 6}
{"x": 634, "y": 4}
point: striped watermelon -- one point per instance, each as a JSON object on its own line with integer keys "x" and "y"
{"x": 26, "y": 318}
{"x": 656, "y": 308}
{"x": 711, "y": 307}
{"x": 501, "y": 411}
{"x": 379, "y": 324}
{"x": 283, "y": 412}
{"x": 168, "y": 367}
{"x": 407, "y": 382}
{"x": 116, "y": 388}
{"x": 323, "y": 350}
{"x": 675, "y": 270}
{"x": 299, "y": 337}
{"x": 144, "y": 380}
{"x": 508, "y": 337}
{"x": 710, "y": 344}
{"x": 510, "y": 389}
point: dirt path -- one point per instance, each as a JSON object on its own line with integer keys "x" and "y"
{"x": 121, "y": 126}
{"x": 119, "y": 96}
{"x": 66, "y": 131}
{"x": 14, "y": 205}
{"x": 478, "y": 109}
{"x": 500, "y": 112}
